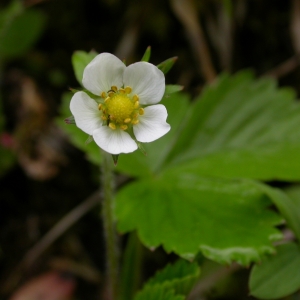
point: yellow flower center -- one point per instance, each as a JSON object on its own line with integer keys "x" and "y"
{"x": 119, "y": 110}
{"x": 119, "y": 107}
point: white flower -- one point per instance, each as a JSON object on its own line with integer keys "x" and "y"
{"x": 126, "y": 113}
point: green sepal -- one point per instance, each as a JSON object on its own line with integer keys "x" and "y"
{"x": 74, "y": 90}
{"x": 70, "y": 120}
{"x": 141, "y": 148}
{"x": 89, "y": 139}
{"x": 115, "y": 158}
{"x": 147, "y": 54}
{"x": 172, "y": 88}
{"x": 166, "y": 65}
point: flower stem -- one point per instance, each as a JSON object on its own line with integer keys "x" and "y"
{"x": 110, "y": 235}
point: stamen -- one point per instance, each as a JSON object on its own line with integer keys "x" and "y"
{"x": 122, "y": 91}
{"x": 123, "y": 127}
{"x": 111, "y": 94}
{"x": 114, "y": 88}
{"x": 135, "y": 98}
{"x": 141, "y": 111}
{"x": 135, "y": 121}
{"x": 127, "y": 120}
{"x": 128, "y": 90}
{"x": 112, "y": 126}
{"x": 136, "y": 104}
{"x": 103, "y": 95}
{"x": 100, "y": 106}
{"x": 107, "y": 99}
{"x": 104, "y": 118}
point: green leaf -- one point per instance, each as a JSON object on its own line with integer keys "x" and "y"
{"x": 180, "y": 277}
{"x": 77, "y": 137}
{"x": 228, "y": 220}
{"x": 157, "y": 293}
{"x": 277, "y": 276}
{"x": 241, "y": 127}
{"x": 147, "y": 54}
{"x": 136, "y": 163}
{"x": 80, "y": 60}
{"x": 166, "y": 65}
{"x": 20, "y": 32}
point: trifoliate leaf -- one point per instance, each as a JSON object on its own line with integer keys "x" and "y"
{"x": 157, "y": 293}
{"x": 278, "y": 275}
{"x": 228, "y": 220}
{"x": 147, "y": 54}
{"x": 241, "y": 127}
{"x": 180, "y": 277}
{"x": 80, "y": 60}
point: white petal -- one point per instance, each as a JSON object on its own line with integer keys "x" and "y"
{"x": 146, "y": 80}
{"x": 114, "y": 141}
{"x": 86, "y": 113}
{"x": 104, "y": 71}
{"x": 152, "y": 124}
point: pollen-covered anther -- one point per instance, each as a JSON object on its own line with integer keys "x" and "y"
{"x": 107, "y": 99}
{"x": 111, "y": 94}
{"x": 100, "y": 106}
{"x": 104, "y": 118}
{"x": 127, "y": 120}
{"x": 135, "y": 98}
{"x": 141, "y": 111}
{"x": 122, "y": 91}
{"x": 103, "y": 95}
{"x": 135, "y": 121}
{"x": 123, "y": 127}
{"x": 112, "y": 126}
{"x": 128, "y": 90}
{"x": 114, "y": 88}
{"x": 136, "y": 104}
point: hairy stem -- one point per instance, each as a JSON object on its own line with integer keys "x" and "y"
{"x": 110, "y": 235}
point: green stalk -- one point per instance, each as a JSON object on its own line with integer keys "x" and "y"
{"x": 110, "y": 235}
